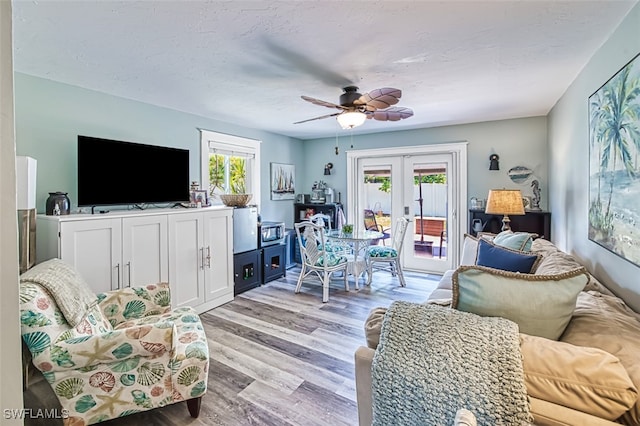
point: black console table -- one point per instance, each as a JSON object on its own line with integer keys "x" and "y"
{"x": 538, "y": 222}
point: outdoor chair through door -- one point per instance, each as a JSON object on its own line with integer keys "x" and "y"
{"x": 371, "y": 224}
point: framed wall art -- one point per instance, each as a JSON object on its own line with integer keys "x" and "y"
{"x": 283, "y": 181}
{"x": 614, "y": 163}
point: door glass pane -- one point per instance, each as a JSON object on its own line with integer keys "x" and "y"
{"x": 377, "y": 200}
{"x": 430, "y": 210}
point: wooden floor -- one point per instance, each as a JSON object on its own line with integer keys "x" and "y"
{"x": 278, "y": 358}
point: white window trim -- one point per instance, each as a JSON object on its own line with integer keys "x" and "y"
{"x": 214, "y": 140}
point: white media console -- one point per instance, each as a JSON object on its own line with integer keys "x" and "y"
{"x": 191, "y": 249}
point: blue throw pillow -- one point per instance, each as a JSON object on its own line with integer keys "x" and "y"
{"x": 497, "y": 257}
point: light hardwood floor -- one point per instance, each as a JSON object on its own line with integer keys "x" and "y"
{"x": 278, "y": 358}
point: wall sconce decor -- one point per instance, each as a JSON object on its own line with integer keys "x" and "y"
{"x": 493, "y": 162}
{"x": 327, "y": 169}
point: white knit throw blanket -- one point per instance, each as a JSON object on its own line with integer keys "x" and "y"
{"x": 432, "y": 361}
{"x": 71, "y": 293}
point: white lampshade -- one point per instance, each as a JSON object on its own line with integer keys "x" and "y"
{"x": 349, "y": 120}
{"x": 26, "y": 168}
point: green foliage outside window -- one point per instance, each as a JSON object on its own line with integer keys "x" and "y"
{"x": 237, "y": 176}
{"x": 216, "y": 173}
{"x": 385, "y": 181}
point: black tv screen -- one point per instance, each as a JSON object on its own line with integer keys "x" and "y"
{"x": 114, "y": 172}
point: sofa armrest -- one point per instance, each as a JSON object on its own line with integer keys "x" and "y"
{"x": 364, "y": 397}
{"x": 119, "y": 345}
{"x": 132, "y": 303}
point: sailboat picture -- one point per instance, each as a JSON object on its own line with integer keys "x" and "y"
{"x": 283, "y": 181}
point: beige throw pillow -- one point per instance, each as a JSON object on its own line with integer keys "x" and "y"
{"x": 582, "y": 378}
{"x": 469, "y": 250}
{"x": 607, "y": 323}
{"x": 541, "y": 305}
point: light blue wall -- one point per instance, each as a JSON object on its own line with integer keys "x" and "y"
{"x": 49, "y": 116}
{"x": 569, "y": 160}
{"x": 518, "y": 142}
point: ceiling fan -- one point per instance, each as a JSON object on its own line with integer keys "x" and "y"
{"x": 355, "y": 108}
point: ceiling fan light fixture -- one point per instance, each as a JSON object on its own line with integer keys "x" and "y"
{"x": 351, "y": 119}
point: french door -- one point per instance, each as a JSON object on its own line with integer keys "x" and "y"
{"x": 427, "y": 194}
{"x": 426, "y": 185}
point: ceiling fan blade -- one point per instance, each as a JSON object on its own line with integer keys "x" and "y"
{"x": 321, "y": 103}
{"x": 296, "y": 62}
{"x": 380, "y": 98}
{"x": 319, "y": 118}
{"x": 390, "y": 114}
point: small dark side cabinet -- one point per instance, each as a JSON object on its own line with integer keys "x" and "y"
{"x": 273, "y": 262}
{"x": 538, "y": 222}
{"x": 246, "y": 271}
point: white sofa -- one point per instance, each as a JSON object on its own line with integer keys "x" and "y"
{"x": 589, "y": 377}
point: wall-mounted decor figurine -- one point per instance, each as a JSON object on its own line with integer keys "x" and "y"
{"x": 535, "y": 201}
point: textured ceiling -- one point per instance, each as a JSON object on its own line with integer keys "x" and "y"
{"x": 248, "y": 62}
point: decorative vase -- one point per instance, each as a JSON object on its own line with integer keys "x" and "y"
{"x": 58, "y": 204}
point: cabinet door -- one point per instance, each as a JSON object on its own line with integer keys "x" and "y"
{"x": 186, "y": 259}
{"x": 145, "y": 250}
{"x": 273, "y": 262}
{"x": 218, "y": 243}
{"x": 94, "y": 247}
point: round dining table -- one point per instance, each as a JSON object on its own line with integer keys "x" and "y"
{"x": 355, "y": 244}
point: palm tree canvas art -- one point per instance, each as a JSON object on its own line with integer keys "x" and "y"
{"x": 614, "y": 170}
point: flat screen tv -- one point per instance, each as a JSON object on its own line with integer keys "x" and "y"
{"x": 114, "y": 172}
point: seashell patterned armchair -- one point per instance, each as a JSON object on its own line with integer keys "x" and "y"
{"x": 112, "y": 354}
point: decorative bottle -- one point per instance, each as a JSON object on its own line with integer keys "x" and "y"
{"x": 58, "y": 204}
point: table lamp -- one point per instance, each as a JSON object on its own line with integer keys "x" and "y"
{"x": 505, "y": 202}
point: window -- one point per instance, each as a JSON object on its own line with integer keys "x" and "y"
{"x": 230, "y": 165}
